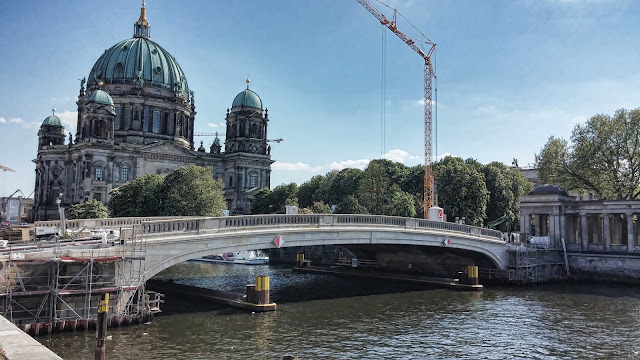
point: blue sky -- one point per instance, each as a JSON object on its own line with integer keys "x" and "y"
{"x": 510, "y": 73}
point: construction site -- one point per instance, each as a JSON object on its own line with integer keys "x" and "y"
{"x": 55, "y": 286}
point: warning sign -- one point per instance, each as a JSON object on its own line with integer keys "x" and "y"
{"x": 441, "y": 214}
{"x": 278, "y": 241}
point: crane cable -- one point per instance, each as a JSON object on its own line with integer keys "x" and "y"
{"x": 383, "y": 91}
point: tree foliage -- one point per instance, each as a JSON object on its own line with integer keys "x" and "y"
{"x": 462, "y": 190}
{"x": 505, "y": 187}
{"x": 350, "y": 205}
{"x": 274, "y": 201}
{"x": 92, "y": 209}
{"x": 307, "y": 190}
{"x": 192, "y": 191}
{"x": 603, "y": 157}
{"x": 187, "y": 191}
{"x": 319, "y": 207}
{"x": 138, "y": 197}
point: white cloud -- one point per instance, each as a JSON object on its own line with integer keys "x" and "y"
{"x": 16, "y": 120}
{"x": 442, "y": 156}
{"x": 399, "y": 156}
{"x": 359, "y": 164}
{"x": 2, "y": 120}
{"x": 299, "y": 166}
{"x": 213, "y": 125}
{"x": 69, "y": 120}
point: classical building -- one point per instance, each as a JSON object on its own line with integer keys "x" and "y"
{"x": 549, "y": 214}
{"x": 136, "y": 117}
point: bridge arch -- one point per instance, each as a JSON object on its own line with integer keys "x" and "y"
{"x": 169, "y": 242}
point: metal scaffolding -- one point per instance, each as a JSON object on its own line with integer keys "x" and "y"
{"x": 62, "y": 288}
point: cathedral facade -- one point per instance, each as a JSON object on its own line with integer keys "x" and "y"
{"x": 136, "y": 116}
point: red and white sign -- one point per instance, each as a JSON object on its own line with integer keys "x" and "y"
{"x": 447, "y": 242}
{"x": 278, "y": 241}
{"x": 441, "y": 214}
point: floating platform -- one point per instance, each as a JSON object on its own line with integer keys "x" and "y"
{"x": 232, "y": 299}
{"x": 433, "y": 281}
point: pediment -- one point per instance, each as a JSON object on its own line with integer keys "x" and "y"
{"x": 166, "y": 148}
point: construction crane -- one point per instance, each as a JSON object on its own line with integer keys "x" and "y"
{"x": 216, "y": 134}
{"x": 429, "y": 75}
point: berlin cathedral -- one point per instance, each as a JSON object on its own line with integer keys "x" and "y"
{"x": 136, "y": 116}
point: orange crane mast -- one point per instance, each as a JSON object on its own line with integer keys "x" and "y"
{"x": 429, "y": 75}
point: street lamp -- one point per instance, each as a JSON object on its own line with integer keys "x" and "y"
{"x": 63, "y": 223}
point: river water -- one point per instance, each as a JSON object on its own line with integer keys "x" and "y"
{"x": 324, "y": 317}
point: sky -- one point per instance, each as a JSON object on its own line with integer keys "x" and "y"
{"x": 510, "y": 74}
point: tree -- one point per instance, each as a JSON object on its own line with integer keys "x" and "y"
{"x": 373, "y": 186}
{"x": 505, "y": 187}
{"x": 344, "y": 184}
{"x": 603, "y": 158}
{"x": 320, "y": 208}
{"x": 399, "y": 203}
{"x": 92, "y": 209}
{"x": 138, "y": 197}
{"x": 307, "y": 190}
{"x": 274, "y": 201}
{"x": 462, "y": 190}
{"x": 350, "y": 205}
{"x": 261, "y": 203}
{"x": 323, "y": 193}
{"x": 191, "y": 191}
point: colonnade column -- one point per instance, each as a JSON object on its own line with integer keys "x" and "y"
{"x": 584, "y": 226}
{"x": 630, "y": 233}
{"x": 607, "y": 233}
{"x": 538, "y": 220}
{"x": 563, "y": 227}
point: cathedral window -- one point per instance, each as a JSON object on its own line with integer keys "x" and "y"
{"x": 118, "y": 120}
{"x": 146, "y": 122}
{"x": 156, "y": 122}
{"x": 253, "y": 180}
{"x": 124, "y": 174}
{"x": 230, "y": 181}
{"x": 98, "y": 174}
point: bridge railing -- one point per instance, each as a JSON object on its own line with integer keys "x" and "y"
{"x": 217, "y": 224}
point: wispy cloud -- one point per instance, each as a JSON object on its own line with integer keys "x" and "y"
{"x": 69, "y": 120}
{"x": 358, "y": 164}
{"x": 2, "y": 120}
{"x": 16, "y": 120}
{"x": 400, "y": 156}
{"x": 214, "y": 125}
{"x": 299, "y": 166}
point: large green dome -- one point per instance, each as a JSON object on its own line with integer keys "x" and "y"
{"x": 139, "y": 59}
{"x": 247, "y": 98}
{"x": 52, "y": 120}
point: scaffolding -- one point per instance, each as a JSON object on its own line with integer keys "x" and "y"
{"x": 529, "y": 264}
{"x": 53, "y": 288}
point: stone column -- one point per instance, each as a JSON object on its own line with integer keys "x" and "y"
{"x": 551, "y": 230}
{"x": 607, "y": 232}
{"x": 585, "y": 231}
{"x": 538, "y": 220}
{"x": 630, "y": 233}
{"x": 563, "y": 228}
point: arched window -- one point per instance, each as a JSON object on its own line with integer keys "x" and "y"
{"x": 253, "y": 179}
{"x": 254, "y": 131}
{"x": 101, "y": 129}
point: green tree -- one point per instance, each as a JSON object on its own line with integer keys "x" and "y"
{"x": 307, "y": 190}
{"x": 373, "y": 186}
{"x": 138, "y": 197}
{"x": 603, "y": 158}
{"x": 345, "y": 184}
{"x": 92, "y": 209}
{"x": 462, "y": 190}
{"x": 505, "y": 186}
{"x": 323, "y": 193}
{"x": 350, "y": 205}
{"x": 192, "y": 191}
{"x": 399, "y": 203}
{"x": 261, "y": 203}
{"x": 320, "y": 208}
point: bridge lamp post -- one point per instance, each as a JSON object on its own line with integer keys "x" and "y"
{"x": 63, "y": 223}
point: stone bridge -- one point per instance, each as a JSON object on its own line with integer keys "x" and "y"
{"x": 172, "y": 241}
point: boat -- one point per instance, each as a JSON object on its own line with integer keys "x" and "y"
{"x": 247, "y": 257}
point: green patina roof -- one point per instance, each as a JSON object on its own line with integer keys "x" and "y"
{"x": 101, "y": 97}
{"x": 139, "y": 58}
{"x": 52, "y": 120}
{"x": 247, "y": 98}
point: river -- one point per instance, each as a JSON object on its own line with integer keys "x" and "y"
{"x": 324, "y": 317}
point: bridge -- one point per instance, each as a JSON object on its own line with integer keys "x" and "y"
{"x": 169, "y": 241}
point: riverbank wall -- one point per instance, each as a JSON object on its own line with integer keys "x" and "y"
{"x": 15, "y": 344}
{"x": 605, "y": 267}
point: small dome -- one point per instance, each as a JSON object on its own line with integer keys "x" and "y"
{"x": 247, "y": 98}
{"x": 101, "y": 97}
{"x": 548, "y": 189}
{"x": 52, "y": 120}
